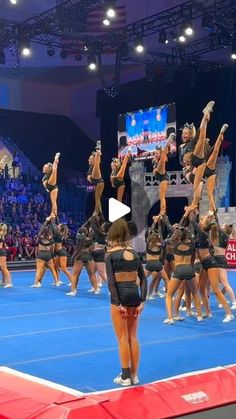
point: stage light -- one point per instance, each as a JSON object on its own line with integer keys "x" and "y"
{"x": 188, "y": 29}
{"x": 92, "y": 62}
{"x": 106, "y": 22}
{"x": 13, "y": 2}
{"x": 25, "y": 48}
{"x": 163, "y": 39}
{"x": 50, "y": 51}
{"x": 233, "y": 50}
{"x": 110, "y": 10}
{"x": 139, "y": 46}
{"x": 181, "y": 38}
{"x": 63, "y": 54}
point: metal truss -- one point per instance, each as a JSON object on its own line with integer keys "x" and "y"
{"x": 220, "y": 10}
{"x": 65, "y": 26}
{"x": 67, "y": 18}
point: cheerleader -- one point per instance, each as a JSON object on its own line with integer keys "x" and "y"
{"x": 100, "y": 230}
{"x": 50, "y": 183}
{"x": 82, "y": 257}
{"x": 61, "y": 255}
{"x": 45, "y": 254}
{"x": 117, "y": 175}
{"x": 159, "y": 171}
{"x": 184, "y": 250}
{"x": 94, "y": 176}
{"x": 154, "y": 248}
{"x": 219, "y": 239}
{"x": 128, "y": 288}
{"x": 210, "y": 269}
{"x": 6, "y": 280}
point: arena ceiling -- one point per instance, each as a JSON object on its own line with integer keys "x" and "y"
{"x": 67, "y": 72}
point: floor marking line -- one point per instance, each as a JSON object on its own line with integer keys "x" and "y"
{"x": 45, "y": 313}
{"x": 85, "y": 326}
{"x": 114, "y": 348}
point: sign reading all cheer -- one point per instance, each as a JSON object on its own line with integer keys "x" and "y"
{"x": 231, "y": 253}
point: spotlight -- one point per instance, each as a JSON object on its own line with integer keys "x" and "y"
{"x": 110, "y": 10}
{"x": 50, "y": 51}
{"x": 13, "y": 2}
{"x": 163, "y": 39}
{"x": 181, "y": 38}
{"x": 92, "y": 62}
{"x": 188, "y": 29}
{"x": 63, "y": 54}
{"x": 2, "y": 57}
{"x": 106, "y": 22}
{"x": 25, "y": 48}
{"x": 233, "y": 50}
{"x": 139, "y": 46}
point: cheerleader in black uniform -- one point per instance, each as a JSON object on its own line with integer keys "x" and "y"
{"x": 61, "y": 255}
{"x": 83, "y": 258}
{"x": 100, "y": 229}
{"x": 94, "y": 176}
{"x": 6, "y": 281}
{"x": 154, "y": 248}
{"x": 210, "y": 268}
{"x": 118, "y": 174}
{"x": 184, "y": 250}
{"x": 159, "y": 170}
{"x": 50, "y": 183}
{"x": 128, "y": 287}
{"x": 45, "y": 258}
{"x": 210, "y": 170}
{"x": 219, "y": 239}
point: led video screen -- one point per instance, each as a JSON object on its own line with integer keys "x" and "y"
{"x": 142, "y": 132}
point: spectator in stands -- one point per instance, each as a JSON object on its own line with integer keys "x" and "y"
{"x": 38, "y": 198}
{"x": 11, "y": 245}
{"x": 15, "y": 164}
{"x": 6, "y": 281}
{"x": 12, "y": 198}
{"x": 22, "y": 198}
{"x": 28, "y": 246}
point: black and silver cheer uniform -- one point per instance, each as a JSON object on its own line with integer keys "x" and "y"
{"x": 184, "y": 271}
{"x": 98, "y": 255}
{"x": 116, "y": 181}
{"x": 158, "y": 176}
{"x": 92, "y": 180}
{"x": 126, "y": 293}
{"x": 202, "y": 242}
{"x": 58, "y": 239}
{"x": 154, "y": 265}
{"x": 222, "y": 243}
{"x": 49, "y": 187}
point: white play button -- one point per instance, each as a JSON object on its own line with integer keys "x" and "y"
{"x": 117, "y": 210}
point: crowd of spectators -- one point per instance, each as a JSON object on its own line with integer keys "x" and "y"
{"x": 24, "y": 207}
